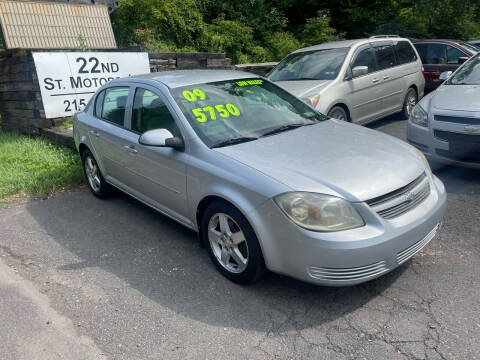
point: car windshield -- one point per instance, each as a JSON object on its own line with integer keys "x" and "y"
{"x": 227, "y": 112}
{"x": 311, "y": 65}
{"x": 468, "y": 74}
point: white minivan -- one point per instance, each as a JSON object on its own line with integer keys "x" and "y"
{"x": 355, "y": 80}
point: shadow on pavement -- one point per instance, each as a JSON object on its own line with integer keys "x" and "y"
{"x": 163, "y": 261}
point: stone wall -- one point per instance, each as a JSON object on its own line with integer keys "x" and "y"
{"x": 182, "y": 61}
{"x": 21, "y": 104}
{"x": 260, "y": 69}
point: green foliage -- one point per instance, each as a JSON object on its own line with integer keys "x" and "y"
{"x": 267, "y": 30}
{"x": 34, "y": 166}
{"x": 230, "y": 37}
{"x": 281, "y": 44}
{"x": 317, "y": 30}
{"x": 82, "y": 43}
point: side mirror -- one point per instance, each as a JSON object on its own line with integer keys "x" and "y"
{"x": 359, "y": 71}
{"x": 462, "y": 59}
{"x": 161, "y": 138}
{"x": 445, "y": 75}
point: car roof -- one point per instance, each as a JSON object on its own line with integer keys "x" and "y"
{"x": 179, "y": 78}
{"x": 346, "y": 43}
{"x": 445, "y": 41}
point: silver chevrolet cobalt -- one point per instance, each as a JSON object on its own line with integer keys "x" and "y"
{"x": 266, "y": 181}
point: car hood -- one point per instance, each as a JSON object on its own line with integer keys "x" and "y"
{"x": 457, "y": 97}
{"x": 301, "y": 88}
{"x": 332, "y": 157}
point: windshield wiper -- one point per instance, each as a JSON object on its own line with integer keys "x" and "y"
{"x": 285, "y": 128}
{"x": 233, "y": 141}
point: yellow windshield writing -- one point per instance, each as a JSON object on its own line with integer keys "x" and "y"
{"x": 204, "y": 114}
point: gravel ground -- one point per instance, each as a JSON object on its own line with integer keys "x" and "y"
{"x": 82, "y": 278}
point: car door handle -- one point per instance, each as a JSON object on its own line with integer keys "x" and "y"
{"x": 131, "y": 149}
{"x": 374, "y": 81}
{"x": 386, "y": 77}
{"x": 95, "y": 132}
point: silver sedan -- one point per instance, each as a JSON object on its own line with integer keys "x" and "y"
{"x": 445, "y": 125}
{"x": 265, "y": 180}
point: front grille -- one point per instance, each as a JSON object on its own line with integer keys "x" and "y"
{"x": 405, "y": 206}
{"x": 402, "y": 200}
{"x": 406, "y": 254}
{"x": 457, "y": 137}
{"x": 462, "y": 155}
{"x": 462, "y": 147}
{"x": 348, "y": 274}
{"x": 458, "y": 119}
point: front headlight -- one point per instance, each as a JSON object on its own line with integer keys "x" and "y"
{"x": 419, "y": 116}
{"x": 319, "y": 212}
{"x": 423, "y": 158}
{"x": 312, "y": 100}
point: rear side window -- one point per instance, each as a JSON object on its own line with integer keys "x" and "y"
{"x": 432, "y": 53}
{"x": 365, "y": 57}
{"x": 385, "y": 56}
{"x": 150, "y": 112}
{"x": 405, "y": 52}
{"x": 114, "y": 104}
{"x": 453, "y": 54}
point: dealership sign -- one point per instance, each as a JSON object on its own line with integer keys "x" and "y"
{"x": 69, "y": 79}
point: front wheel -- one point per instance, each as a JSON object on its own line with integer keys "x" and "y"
{"x": 338, "y": 112}
{"x": 231, "y": 243}
{"x": 409, "y": 103}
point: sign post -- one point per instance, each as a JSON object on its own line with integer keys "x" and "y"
{"x": 68, "y": 80}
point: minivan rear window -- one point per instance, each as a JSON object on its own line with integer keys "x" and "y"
{"x": 405, "y": 52}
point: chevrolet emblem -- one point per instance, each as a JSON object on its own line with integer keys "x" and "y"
{"x": 470, "y": 129}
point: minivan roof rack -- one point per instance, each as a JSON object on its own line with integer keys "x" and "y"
{"x": 384, "y": 36}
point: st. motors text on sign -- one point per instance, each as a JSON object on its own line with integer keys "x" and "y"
{"x": 68, "y": 80}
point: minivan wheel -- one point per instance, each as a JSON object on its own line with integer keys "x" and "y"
{"x": 231, "y": 243}
{"x": 96, "y": 183}
{"x": 409, "y": 103}
{"x": 337, "y": 112}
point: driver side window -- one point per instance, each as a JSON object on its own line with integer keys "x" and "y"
{"x": 366, "y": 58}
{"x": 150, "y": 112}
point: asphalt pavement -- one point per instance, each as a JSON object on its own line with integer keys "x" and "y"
{"x": 83, "y": 278}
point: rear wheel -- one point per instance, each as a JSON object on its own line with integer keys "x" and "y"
{"x": 231, "y": 243}
{"x": 96, "y": 183}
{"x": 338, "y": 112}
{"x": 409, "y": 103}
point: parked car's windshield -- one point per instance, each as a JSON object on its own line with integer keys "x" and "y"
{"x": 241, "y": 109}
{"x": 468, "y": 74}
{"x": 312, "y": 65}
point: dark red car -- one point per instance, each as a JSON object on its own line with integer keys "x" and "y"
{"x": 442, "y": 55}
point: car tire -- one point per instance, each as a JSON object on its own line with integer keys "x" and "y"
{"x": 339, "y": 113}
{"x": 231, "y": 243}
{"x": 95, "y": 180}
{"x": 409, "y": 102}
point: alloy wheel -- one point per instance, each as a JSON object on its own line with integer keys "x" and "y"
{"x": 93, "y": 174}
{"x": 411, "y": 102}
{"x": 228, "y": 243}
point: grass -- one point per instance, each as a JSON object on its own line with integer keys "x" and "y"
{"x": 33, "y": 166}
{"x": 67, "y": 124}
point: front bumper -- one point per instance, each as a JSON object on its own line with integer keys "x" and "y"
{"x": 454, "y": 146}
{"x": 352, "y": 256}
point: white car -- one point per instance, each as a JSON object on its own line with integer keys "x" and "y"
{"x": 355, "y": 80}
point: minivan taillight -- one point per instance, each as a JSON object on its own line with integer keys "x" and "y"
{"x": 423, "y": 71}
